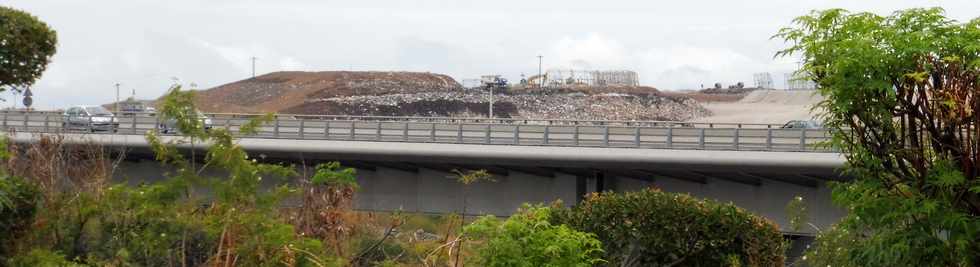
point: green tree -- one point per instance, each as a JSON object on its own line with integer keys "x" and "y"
{"x": 902, "y": 99}
{"x": 26, "y": 47}
{"x": 528, "y": 239}
{"x": 655, "y": 228}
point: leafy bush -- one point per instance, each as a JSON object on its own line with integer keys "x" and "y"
{"x": 529, "y": 239}
{"x": 40, "y": 257}
{"x": 900, "y": 97}
{"x": 654, "y": 228}
{"x": 18, "y": 205}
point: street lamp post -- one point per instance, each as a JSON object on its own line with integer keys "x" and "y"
{"x": 117, "y": 98}
{"x": 540, "y": 78}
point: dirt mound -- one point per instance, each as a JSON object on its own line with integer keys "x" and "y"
{"x": 280, "y": 91}
{"x": 783, "y": 97}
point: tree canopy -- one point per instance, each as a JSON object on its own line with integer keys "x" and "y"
{"x": 26, "y": 47}
{"x": 903, "y": 101}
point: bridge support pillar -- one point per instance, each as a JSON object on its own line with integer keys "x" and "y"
{"x": 586, "y": 184}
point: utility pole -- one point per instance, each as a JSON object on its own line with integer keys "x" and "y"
{"x": 540, "y": 78}
{"x": 117, "y": 98}
{"x": 253, "y": 66}
{"x": 491, "y": 100}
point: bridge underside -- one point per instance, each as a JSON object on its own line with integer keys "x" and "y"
{"x": 417, "y": 177}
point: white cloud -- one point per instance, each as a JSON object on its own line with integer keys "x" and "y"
{"x": 592, "y": 52}
{"x": 292, "y": 64}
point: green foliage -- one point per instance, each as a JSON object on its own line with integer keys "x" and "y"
{"x": 331, "y": 174}
{"x": 797, "y": 213}
{"x": 18, "y": 205}
{"x": 26, "y": 47}
{"x": 902, "y": 96}
{"x": 42, "y": 258}
{"x": 529, "y": 239}
{"x": 654, "y": 228}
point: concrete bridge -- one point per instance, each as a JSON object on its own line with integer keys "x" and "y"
{"x": 406, "y": 163}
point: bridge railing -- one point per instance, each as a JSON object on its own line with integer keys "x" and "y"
{"x": 649, "y": 123}
{"x": 461, "y": 131}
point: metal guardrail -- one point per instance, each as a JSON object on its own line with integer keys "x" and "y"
{"x": 651, "y": 135}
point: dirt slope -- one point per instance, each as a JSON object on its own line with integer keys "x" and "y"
{"x": 284, "y": 90}
{"x": 765, "y": 106}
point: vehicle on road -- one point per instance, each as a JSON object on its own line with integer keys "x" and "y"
{"x": 89, "y": 118}
{"x": 170, "y": 125}
{"x": 802, "y": 124}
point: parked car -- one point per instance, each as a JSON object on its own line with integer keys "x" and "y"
{"x": 170, "y": 125}
{"x": 89, "y": 118}
{"x": 802, "y": 124}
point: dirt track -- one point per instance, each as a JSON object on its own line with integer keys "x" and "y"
{"x": 765, "y": 106}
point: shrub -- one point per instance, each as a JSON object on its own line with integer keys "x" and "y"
{"x": 18, "y": 205}
{"x": 654, "y": 228}
{"x": 529, "y": 239}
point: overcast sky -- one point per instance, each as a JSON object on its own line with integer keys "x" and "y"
{"x": 144, "y": 44}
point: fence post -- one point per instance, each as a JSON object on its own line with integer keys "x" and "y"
{"x": 91, "y": 127}
{"x": 803, "y": 139}
{"x": 25, "y": 121}
{"x": 488, "y": 140}
{"x": 353, "y": 129}
{"x": 326, "y": 129}
{"x": 47, "y": 118}
{"x": 377, "y": 131}
{"x": 769, "y": 139}
{"x": 302, "y": 126}
{"x": 701, "y": 138}
{"x": 459, "y": 133}
{"x": 605, "y": 135}
{"x": 670, "y": 136}
{"x": 517, "y": 134}
{"x": 735, "y": 139}
{"x": 575, "y": 135}
{"x": 432, "y": 132}
{"x": 275, "y": 129}
{"x": 636, "y": 137}
{"x": 405, "y": 132}
{"x": 134, "y": 123}
{"x": 5, "y": 120}
{"x": 547, "y": 132}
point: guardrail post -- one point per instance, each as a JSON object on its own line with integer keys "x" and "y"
{"x": 432, "y": 132}
{"x": 353, "y": 128}
{"x": 459, "y": 133}
{"x": 134, "y": 123}
{"x": 547, "y": 132}
{"x": 803, "y": 139}
{"x": 91, "y": 127}
{"x": 605, "y": 135}
{"x": 636, "y": 137}
{"x": 575, "y": 135}
{"x": 377, "y": 132}
{"x": 326, "y": 129}
{"x": 670, "y": 136}
{"x": 302, "y": 128}
{"x": 735, "y": 139}
{"x": 487, "y": 139}
{"x": 5, "y": 120}
{"x": 405, "y": 131}
{"x": 25, "y": 122}
{"x": 275, "y": 129}
{"x": 769, "y": 139}
{"x": 701, "y": 138}
{"x": 517, "y": 134}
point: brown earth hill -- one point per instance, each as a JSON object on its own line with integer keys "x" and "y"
{"x": 281, "y": 91}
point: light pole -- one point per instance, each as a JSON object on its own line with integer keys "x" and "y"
{"x": 491, "y": 99}
{"x": 117, "y": 98}
{"x": 541, "y": 78}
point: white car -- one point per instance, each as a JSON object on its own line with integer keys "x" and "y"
{"x": 89, "y": 118}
